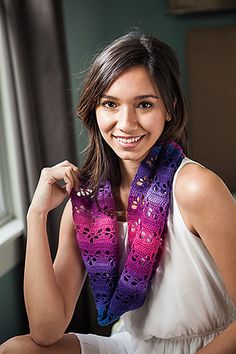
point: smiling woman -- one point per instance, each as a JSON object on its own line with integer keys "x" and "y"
{"x": 104, "y": 82}
{"x": 142, "y": 220}
{"x": 131, "y": 115}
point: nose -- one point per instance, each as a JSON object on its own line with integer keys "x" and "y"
{"x": 127, "y": 120}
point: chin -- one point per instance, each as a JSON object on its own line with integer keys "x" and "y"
{"x": 131, "y": 156}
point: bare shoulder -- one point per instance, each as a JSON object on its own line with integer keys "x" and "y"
{"x": 68, "y": 257}
{"x": 67, "y": 227}
{"x": 203, "y": 199}
{"x": 67, "y": 215}
{"x": 197, "y": 186}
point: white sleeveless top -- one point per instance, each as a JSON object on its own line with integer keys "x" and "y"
{"x": 187, "y": 305}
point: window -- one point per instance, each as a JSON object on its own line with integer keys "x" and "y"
{"x": 11, "y": 214}
{"x": 5, "y": 204}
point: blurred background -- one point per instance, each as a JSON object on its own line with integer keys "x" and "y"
{"x": 45, "y": 47}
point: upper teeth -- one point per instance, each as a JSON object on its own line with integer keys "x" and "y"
{"x": 129, "y": 140}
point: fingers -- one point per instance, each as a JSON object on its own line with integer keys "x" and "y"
{"x": 66, "y": 163}
{"x": 63, "y": 171}
{"x": 72, "y": 173}
{"x": 71, "y": 179}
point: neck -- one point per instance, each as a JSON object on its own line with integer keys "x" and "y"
{"x": 121, "y": 196}
{"x": 121, "y": 193}
{"x": 128, "y": 171}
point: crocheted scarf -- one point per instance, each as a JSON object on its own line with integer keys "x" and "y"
{"x": 97, "y": 233}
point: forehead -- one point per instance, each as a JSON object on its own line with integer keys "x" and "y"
{"x": 131, "y": 80}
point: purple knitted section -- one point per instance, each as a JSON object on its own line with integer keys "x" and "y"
{"x": 98, "y": 238}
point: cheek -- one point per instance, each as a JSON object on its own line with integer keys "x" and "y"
{"x": 154, "y": 125}
{"x": 100, "y": 120}
{"x": 105, "y": 124}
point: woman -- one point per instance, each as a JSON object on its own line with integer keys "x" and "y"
{"x": 155, "y": 231}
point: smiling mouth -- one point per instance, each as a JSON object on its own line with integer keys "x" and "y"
{"x": 129, "y": 140}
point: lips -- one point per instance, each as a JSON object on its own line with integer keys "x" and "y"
{"x": 129, "y": 142}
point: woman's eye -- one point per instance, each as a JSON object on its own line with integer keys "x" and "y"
{"x": 144, "y": 105}
{"x": 109, "y": 104}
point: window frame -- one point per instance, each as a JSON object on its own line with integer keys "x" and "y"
{"x": 12, "y": 224}
{"x": 6, "y": 213}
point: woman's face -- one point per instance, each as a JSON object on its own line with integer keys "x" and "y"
{"x": 131, "y": 114}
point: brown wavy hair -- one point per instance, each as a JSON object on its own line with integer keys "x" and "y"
{"x": 132, "y": 49}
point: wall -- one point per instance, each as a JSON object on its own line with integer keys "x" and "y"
{"x": 13, "y": 318}
{"x": 91, "y": 24}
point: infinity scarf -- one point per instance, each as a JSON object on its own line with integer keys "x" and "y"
{"x": 97, "y": 233}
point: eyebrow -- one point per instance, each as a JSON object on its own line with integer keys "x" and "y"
{"x": 136, "y": 98}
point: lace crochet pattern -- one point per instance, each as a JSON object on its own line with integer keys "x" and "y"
{"x": 97, "y": 233}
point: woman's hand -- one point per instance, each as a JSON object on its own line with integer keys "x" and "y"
{"x": 54, "y": 185}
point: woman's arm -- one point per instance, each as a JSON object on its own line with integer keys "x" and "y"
{"x": 209, "y": 211}
{"x": 51, "y": 291}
